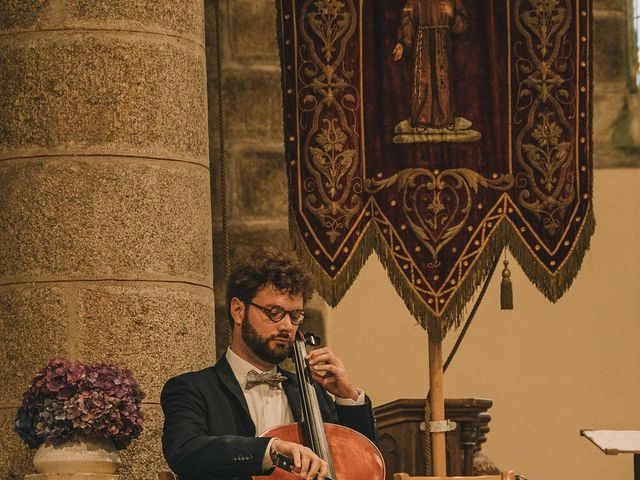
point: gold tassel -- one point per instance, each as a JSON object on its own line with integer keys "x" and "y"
{"x": 506, "y": 288}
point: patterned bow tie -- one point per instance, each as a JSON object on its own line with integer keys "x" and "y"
{"x": 272, "y": 379}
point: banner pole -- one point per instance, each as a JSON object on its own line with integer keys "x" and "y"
{"x": 438, "y": 445}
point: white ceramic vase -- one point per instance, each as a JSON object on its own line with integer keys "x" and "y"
{"x": 79, "y": 455}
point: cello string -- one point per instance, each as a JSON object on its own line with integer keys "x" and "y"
{"x": 308, "y": 416}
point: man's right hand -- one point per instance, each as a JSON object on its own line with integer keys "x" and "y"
{"x": 305, "y": 462}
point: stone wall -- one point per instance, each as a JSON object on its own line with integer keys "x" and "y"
{"x": 105, "y": 204}
{"x": 255, "y": 170}
{"x": 616, "y": 101}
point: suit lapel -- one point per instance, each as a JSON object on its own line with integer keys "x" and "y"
{"x": 228, "y": 379}
{"x": 290, "y": 386}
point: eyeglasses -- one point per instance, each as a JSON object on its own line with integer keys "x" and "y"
{"x": 277, "y": 313}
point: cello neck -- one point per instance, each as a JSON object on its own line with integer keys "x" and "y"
{"x": 311, "y": 416}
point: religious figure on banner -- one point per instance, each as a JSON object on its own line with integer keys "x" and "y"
{"x": 426, "y": 29}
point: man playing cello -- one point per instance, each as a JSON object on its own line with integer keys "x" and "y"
{"x": 212, "y": 416}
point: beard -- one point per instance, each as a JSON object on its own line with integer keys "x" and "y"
{"x": 260, "y": 345}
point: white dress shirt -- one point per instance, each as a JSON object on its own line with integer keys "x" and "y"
{"x": 268, "y": 407}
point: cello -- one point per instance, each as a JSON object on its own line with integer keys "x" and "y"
{"x": 349, "y": 454}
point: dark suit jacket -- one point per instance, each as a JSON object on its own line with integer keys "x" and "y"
{"x": 208, "y": 432}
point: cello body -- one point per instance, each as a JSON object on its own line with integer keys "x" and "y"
{"x": 355, "y": 457}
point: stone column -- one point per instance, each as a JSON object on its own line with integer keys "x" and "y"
{"x": 105, "y": 209}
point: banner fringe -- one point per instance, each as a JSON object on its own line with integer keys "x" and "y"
{"x": 552, "y": 286}
{"x": 438, "y": 326}
{"x": 332, "y": 289}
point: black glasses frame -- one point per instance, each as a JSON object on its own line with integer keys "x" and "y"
{"x": 277, "y": 313}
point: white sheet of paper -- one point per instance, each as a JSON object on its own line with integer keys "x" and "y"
{"x": 613, "y": 442}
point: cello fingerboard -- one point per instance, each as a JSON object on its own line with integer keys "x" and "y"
{"x": 312, "y": 418}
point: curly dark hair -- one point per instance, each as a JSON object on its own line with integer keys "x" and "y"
{"x": 263, "y": 267}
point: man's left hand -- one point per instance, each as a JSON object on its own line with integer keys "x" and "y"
{"x": 328, "y": 370}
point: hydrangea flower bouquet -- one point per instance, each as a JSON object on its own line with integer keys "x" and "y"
{"x": 67, "y": 399}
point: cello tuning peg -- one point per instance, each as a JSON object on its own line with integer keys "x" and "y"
{"x": 312, "y": 339}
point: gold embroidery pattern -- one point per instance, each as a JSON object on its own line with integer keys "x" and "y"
{"x": 544, "y": 106}
{"x": 544, "y": 21}
{"x": 437, "y": 204}
{"x": 328, "y": 95}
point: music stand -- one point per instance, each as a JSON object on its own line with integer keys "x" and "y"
{"x": 613, "y": 442}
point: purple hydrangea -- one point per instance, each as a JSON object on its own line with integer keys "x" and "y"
{"x": 68, "y": 398}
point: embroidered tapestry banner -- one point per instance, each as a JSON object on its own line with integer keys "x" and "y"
{"x": 437, "y": 132}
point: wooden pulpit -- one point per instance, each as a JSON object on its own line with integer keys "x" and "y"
{"x": 401, "y": 428}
